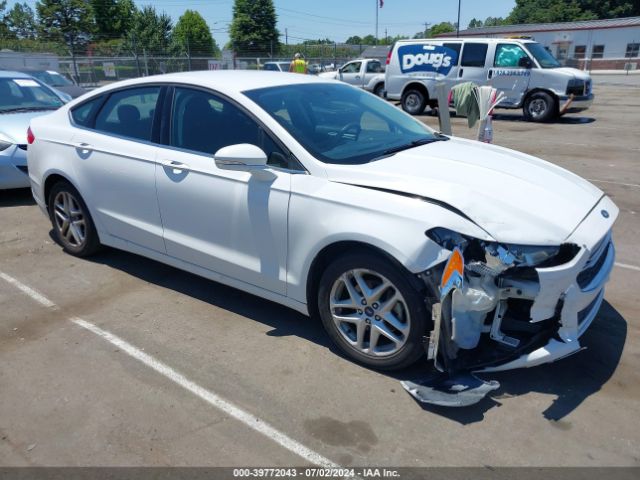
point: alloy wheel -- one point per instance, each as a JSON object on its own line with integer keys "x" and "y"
{"x": 370, "y": 313}
{"x": 69, "y": 219}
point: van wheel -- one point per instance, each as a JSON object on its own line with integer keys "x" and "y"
{"x": 540, "y": 107}
{"x": 379, "y": 90}
{"x": 372, "y": 312}
{"x": 413, "y": 101}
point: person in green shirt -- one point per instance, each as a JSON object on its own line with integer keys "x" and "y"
{"x": 298, "y": 65}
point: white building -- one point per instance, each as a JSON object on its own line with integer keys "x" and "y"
{"x": 594, "y": 44}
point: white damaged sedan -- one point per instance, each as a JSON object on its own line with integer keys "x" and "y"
{"x": 324, "y": 198}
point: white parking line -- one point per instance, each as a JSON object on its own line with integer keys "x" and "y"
{"x": 208, "y": 396}
{"x": 614, "y": 183}
{"x": 37, "y": 296}
{"x": 627, "y": 266}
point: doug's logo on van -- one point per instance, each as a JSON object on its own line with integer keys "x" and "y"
{"x": 427, "y": 58}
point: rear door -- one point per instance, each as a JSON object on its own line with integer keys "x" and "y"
{"x": 115, "y": 165}
{"x": 473, "y": 63}
{"x": 506, "y": 75}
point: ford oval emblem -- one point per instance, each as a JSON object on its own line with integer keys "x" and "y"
{"x": 604, "y": 213}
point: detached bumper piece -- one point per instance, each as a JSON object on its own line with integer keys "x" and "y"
{"x": 461, "y": 390}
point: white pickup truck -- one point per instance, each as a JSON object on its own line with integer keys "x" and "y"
{"x": 367, "y": 73}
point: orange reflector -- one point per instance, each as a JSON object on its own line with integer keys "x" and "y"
{"x": 453, "y": 272}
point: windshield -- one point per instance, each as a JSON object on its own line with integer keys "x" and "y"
{"x": 341, "y": 124}
{"x": 23, "y": 94}
{"x": 51, "y": 78}
{"x": 542, "y": 55}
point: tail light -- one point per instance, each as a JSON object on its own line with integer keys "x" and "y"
{"x": 389, "y": 56}
{"x": 30, "y": 136}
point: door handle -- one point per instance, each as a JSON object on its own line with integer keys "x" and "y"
{"x": 460, "y": 73}
{"x": 357, "y": 77}
{"x": 83, "y": 146}
{"x": 177, "y": 167}
{"x": 490, "y": 74}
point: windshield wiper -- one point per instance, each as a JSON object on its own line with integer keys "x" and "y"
{"x": 27, "y": 109}
{"x": 416, "y": 143}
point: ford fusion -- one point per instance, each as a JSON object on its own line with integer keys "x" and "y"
{"x": 21, "y": 99}
{"x": 314, "y": 194}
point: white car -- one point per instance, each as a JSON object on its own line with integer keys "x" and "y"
{"x": 319, "y": 196}
{"x": 22, "y": 98}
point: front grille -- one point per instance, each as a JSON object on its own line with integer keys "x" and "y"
{"x": 23, "y": 147}
{"x": 577, "y": 90}
{"x": 595, "y": 262}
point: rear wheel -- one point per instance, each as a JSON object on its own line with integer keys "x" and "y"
{"x": 379, "y": 90}
{"x": 540, "y": 107}
{"x": 413, "y": 101}
{"x": 72, "y": 224}
{"x": 372, "y": 312}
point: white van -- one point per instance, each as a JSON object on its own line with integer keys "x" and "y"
{"x": 530, "y": 77}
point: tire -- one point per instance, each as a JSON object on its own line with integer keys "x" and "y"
{"x": 413, "y": 101}
{"x": 72, "y": 224}
{"x": 405, "y": 319}
{"x": 379, "y": 90}
{"x": 540, "y": 107}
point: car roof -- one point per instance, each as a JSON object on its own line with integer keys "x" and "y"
{"x": 466, "y": 39}
{"x": 225, "y": 81}
{"x": 13, "y": 74}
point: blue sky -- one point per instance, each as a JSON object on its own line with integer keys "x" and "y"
{"x": 340, "y": 19}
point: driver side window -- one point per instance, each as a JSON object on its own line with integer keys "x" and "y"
{"x": 205, "y": 123}
{"x": 508, "y": 55}
{"x": 353, "y": 67}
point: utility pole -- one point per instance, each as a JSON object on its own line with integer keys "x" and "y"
{"x": 188, "y": 52}
{"x": 377, "y": 21}
{"x": 458, "y": 24}
{"x": 286, "y": 36}
{"x": 386, "y": 36}
{"x": 426, "y": 28}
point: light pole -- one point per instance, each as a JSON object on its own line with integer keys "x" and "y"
{"x": 458, "y": 24}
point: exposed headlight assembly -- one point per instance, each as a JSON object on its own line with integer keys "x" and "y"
{"x": 494, "y": 252}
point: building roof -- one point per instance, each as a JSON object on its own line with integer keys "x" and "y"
{"x": 375, "y": 51}
{"x": 551, "y": 27}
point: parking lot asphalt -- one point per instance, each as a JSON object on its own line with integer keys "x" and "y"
{"x": 183, "y": 371}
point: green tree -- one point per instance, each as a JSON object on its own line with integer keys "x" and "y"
{"x": 21, "y": 22}
{"x": 68, "y": 20}
{"x": 4, "y": 30}
{"x": 494, "y": 21}
{"x": 113, "y": 18}
{"x": 440, "y": 28}
{"x": 354, "y": 40}
{"x": 543, "y": 11}
{"x": 474, "y": 23}
{"x": 150, "y": 32}
{"x": 253, "y": 29}
{"x": 191, "y": 36}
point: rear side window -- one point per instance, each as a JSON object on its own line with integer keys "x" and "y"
{"x": 456, "y": 47}
{"x": 474, "y": 54}
{"x": 129, "y": 113}
{"x": 83, "y": 114}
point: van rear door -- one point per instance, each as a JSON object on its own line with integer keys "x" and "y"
{"x": 509, "y": 73}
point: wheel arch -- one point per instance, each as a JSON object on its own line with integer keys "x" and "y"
{"x": 334, "y": 250}
{"x": 418, "y": 86}
{"x": 540, "y": 89}
{"x": 50, "y": 180}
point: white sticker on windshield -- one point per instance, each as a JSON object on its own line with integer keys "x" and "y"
{"x": 52, "y": 72}
{"x": 26, "y": 82}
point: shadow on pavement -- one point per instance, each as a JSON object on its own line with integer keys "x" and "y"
{"x": 19, "y": 197}
{"x": 568, "y": 119}
{"x": 571, "y": 380}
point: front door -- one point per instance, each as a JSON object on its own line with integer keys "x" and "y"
{"x": 351, "y": 73}
{"x": 507, "y": 75}
{"x": 230, "y": 222}
{"x": 116, "y": 167}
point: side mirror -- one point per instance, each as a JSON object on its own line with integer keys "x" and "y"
{"x": 525, "y": 62}
{"x": 242, "y": 157}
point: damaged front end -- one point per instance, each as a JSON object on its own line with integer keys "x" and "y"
{"x": 499, "y": 307}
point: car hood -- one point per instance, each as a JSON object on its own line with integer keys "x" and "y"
{"x": 13, "y": 126}
{"x": 72, "y": 90}
{"x": 514, "y": 197}
{"x": 571, "y": 73}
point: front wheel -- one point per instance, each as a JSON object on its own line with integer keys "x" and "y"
{"x": 379, "y": 90}
{"x": 413, "y": 101}
{"x": 372, "y": 312}
{"x": 540, "y": 107}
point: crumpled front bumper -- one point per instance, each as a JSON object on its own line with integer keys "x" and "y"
{"x": 577, "y": 286}
{"x": 13, "y": 168}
